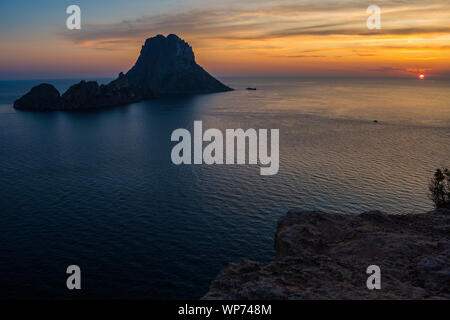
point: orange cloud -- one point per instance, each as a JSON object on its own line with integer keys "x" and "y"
{"x": 263, "y": 37}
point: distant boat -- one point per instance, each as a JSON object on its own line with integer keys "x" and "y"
{"x": 375, "y": 121}
{"x": 251, "y": 88}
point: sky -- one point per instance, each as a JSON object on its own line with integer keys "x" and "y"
{"x": 229, "y": 37}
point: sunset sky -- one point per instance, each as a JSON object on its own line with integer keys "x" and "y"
{"x": 229, "y": 37}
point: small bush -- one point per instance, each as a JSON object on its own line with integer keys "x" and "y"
{"x": 440, "y": 188}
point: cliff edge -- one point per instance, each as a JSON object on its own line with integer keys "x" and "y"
{"x": 325, "y": 256}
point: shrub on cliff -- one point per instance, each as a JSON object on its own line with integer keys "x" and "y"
{"x": 440, "y": 188}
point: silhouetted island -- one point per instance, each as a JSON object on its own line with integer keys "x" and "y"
{"x": 165, "y": 67}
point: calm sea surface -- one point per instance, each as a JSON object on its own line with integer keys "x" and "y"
{"x": 98, "y": 189}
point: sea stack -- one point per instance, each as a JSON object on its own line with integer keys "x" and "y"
{"x": 166, "y": 67}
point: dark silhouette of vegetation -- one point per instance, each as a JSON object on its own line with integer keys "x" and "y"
{"x": 440, "y": 188}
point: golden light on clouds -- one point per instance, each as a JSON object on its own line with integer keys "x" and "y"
{"x": 271, "y": 37}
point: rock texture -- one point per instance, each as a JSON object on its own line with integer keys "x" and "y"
{"x": 325, "y": 256}
{"x": 166, "y": 66}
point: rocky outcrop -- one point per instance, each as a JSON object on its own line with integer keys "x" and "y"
{"x": 42, "y": 97}
{"x": 90, "y": 95}
{"x": 325, "y": 256}
{"x": 166, "y": 66}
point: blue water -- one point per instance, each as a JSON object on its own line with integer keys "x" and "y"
{"x": 98, "y": 189}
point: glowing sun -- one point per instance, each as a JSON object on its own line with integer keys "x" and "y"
{"x": 421, "y": 76}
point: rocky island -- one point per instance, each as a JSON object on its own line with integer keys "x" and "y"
{"x": 166, "y": 66}
{"x": 325, "y": 256}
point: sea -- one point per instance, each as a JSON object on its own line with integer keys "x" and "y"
{"x": 98, "y": 189}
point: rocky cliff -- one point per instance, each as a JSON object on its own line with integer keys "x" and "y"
{"x": 166, "y": 66}
{"x": 325, "y": 256}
